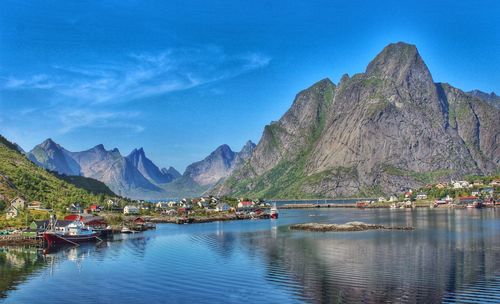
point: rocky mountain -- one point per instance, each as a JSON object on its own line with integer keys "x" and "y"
{"x": 171, "y": 171}
{"x": 123, "y": 175}
{"x": 212, "y": 170}
{"x": 52, "y": 156}
{"x": 490, "y": 98}
{"x": 21, "y": 177}
{"x": 149, "y": 170}
{"x": 376, "y": 132}
{"x": 135, "y": 175}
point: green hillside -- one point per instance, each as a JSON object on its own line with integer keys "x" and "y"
{"x": 20, "y": 177}
{"x": 92, "y": 185}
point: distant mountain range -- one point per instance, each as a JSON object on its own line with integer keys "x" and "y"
{"x": 135, "y": 175}
{"x": 20, "y": 177}
{"x": 377, "y": 132}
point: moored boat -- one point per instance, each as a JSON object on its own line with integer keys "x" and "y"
{"x": 274, "y": 212}
{"x": 125, "y": 229}
{"x": 74, "y": 233}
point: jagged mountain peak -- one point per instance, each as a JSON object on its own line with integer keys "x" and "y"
{"x": 399, "y": 62}
{"x": 49, "y": 143}
{"x": 389, "y": 127}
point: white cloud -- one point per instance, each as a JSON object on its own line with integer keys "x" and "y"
{"x": 72, "y": 119}
{"x": 141, "y": 75}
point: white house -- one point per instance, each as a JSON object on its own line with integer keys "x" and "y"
{"x": 161, "y": 205}
{"x": 381, "y": 199}
{"x": 222, "y": 207}
{"x": 421, "y": 196}
{"x": 172, "y": 204}
{"x": 11, "y": 212}
{"x": 129, "y": 209}
{"x": 19, "y": 203}
{"x": 475, "y": 193}
{"x": 393, "y": 198}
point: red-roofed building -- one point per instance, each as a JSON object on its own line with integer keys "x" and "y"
{"x": 139, "y": 221}
{"x": 95, "y": 208}
{"x": 468, "y": 199}
{"x": 88, "y": 220}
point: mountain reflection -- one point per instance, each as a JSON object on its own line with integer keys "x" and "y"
{"x": 446, "y": 252}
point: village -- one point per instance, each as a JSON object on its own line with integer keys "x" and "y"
{"x": 25, "y": 222}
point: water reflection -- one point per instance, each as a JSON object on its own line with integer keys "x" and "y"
{"x": 447, "y": 251}
{"x": 452, "y": 255}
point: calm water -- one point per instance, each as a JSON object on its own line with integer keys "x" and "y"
{"x": 453, "y": 256}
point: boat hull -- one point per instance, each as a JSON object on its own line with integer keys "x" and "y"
{"x": 53, "y": 238}
{"x": 274, "y": 215}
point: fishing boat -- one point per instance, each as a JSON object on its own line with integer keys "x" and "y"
{"x": 274, "y": 211}
{"x": 74, "y": 233}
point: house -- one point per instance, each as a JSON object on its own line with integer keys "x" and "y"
{"x": 75, "y": 208}
{"x": 129, "y": 209}
{"x": 161, "y": 205}
{"x": 35, "y": 205}
{"x": 409, "y": 193}
{"x": 381, "y": 199}
{"x": 421, "y": 196}
{"x": 95, "y": 208}
{"x": 139, "y": 221}
{"x": 246, "y": 204}
{"x": 11, "y": 212}
{"x": 442, "y": 186}
{"x": 19, "y": 203}
{"x": 488, "y": 191}
{"x": 393, "y": 198}
{"x": 461, "y": 184}
{"x": 172, "y": 204}
{"x": 478, "y": 183}
{"x": 475, "y": 193}
{"x": 495, "y": 183}
{"x": 222, "y": 207}
{"x": 463, "y": 200}
{"x": 170, "y": 212}
{"x": 96, "y": 222}
{"x": 203, "y": 204}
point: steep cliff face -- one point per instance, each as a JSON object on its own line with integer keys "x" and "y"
{"x": 149, "y": 170}
{"x": 377, "y": 132}
{"x": 54, "y": 157}
{"x": 116, "y": 171}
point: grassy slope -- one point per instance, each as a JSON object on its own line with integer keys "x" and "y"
{"x": 19, "y": 176}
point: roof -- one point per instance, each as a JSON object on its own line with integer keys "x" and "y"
{"x": 246, "y": 203}
{"x": 467, "y": 197}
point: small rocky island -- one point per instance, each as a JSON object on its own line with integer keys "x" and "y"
{"x": 350, "y": 226}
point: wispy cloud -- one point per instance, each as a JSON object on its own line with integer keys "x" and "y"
{"x": 141, "y": 75}
{"x": 76, "y": 118}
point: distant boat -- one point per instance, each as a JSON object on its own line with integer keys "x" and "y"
{"x": 274, "y": 211}
{"x": 74, "y": 233}
{"x": 126, "y": 230}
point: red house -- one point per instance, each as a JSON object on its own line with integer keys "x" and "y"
{"x": 95, "y": 208}
{"x": 139, "y": 221}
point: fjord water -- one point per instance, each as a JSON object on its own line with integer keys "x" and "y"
{"x": 452, "y": 256}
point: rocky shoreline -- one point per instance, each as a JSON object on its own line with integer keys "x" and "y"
{"x": 350, "y": 226}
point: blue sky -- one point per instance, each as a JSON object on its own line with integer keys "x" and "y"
{"x": 179, "y": 78}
